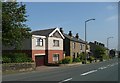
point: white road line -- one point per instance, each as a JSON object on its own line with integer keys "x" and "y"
{"x": 102, "y": 68}
{"x": 116, "y": 63}
{"x": 88, "y": 72}
{"x": 108, "y": 65}
{"x": 112, "y": 65}
{"x": 66, "y": 80}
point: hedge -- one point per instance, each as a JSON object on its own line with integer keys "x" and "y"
{"x": 66, "y": 60}
{"x": 76, "y": 60}
{"x": 16, "y": 58}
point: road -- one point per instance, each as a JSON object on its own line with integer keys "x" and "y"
{"x": 100, "y": 71}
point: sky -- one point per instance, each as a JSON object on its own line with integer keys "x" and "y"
{"x": 71, "y": 16}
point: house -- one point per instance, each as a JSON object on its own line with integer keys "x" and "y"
{"x": 44, "y": 46}
{"x": 73, "y": 45}
{"x": 47, "y": 45}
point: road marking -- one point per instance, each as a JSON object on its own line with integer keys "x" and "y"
{"x": 66, "y": 80}
{"x": 108, "y": 65}
{"x": 112, "y": 65}
{"x": 116, "y": 63}
{"x": 88, "y": 72}
{"x": 102, "y": 68}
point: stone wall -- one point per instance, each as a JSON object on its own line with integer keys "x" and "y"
{"x": 18, "y": 66}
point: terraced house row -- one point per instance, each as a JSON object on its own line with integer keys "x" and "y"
{"x": 51, "y": 45}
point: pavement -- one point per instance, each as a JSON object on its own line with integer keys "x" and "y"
{"x": 100, "y": 71}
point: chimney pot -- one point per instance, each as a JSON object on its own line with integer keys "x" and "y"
{"x": 77, "y": 36}
{"x": 61, "y": 29}
{"x": 70, "y": 33}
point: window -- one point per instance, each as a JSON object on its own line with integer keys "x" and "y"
{"x": 55, "y": 57}
{"x": 73, "y": 55}
{"x": 77, "y": 54}
{"x": 39, "y": 42}
{"x": 73, "y": 45}
{"x": 56, "y": 43}
{"x": 80, "y": 46}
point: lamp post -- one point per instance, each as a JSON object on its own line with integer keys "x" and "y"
{"x": 86, "y": 37}
{"x": 108, "y": 43}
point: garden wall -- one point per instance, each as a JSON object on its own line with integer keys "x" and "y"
{"x": 27, "y": 66}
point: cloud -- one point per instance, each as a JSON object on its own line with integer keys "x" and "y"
{"x": 112, "y": 18}
{"x": 110, "y": 7}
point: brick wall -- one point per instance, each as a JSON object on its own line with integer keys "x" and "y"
{"x": 51, "y": 52}
{"x": 34, "y": 52}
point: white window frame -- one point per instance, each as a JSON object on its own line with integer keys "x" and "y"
{"x": 73, "y": 45}
{"x": 56, "y": 59}
{"x": 39, "y": 42}
{"x": 56, "y": 44}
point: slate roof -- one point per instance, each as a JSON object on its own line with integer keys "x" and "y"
{"x": 73, "y": 38}
{"x": 44, "y": 32}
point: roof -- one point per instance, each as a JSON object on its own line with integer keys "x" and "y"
{"x": 73, "y": 38}
{"x": 47, "y": 32}
{"x": 44, "y": 32}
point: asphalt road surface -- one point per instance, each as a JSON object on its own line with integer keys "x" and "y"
{"x": 100, "y": 71}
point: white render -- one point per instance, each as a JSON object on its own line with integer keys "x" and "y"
{"x": 34, "y": 40}
{"x": 50, "y": 43}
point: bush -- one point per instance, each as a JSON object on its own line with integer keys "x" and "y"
{"x": 21, "y": 57}
{"x": 16, "y": 58}
{"x": 66, "y": 60}
{"x": 60, "y": 62}
{"x": 76, "y": 60}
{"x": 82, "y": 56}
{"x": 91, "y": 59}
{"x": 105, "y": 57}
{"x": 6, "y": 59}
{"x": 83, "y": 61}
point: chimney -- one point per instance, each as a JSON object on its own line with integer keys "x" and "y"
{"x": 61, "y": 30}
{"x": 77, "y": 36}
{"x": 70, "y": 33}
{"x": 99, "y": 44}
{"x": 95, "y": 42}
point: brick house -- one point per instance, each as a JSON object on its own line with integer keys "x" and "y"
{"x": 44, "y": 46}
{"x": 47, "y": 45}
{"x": 73, "y": 45}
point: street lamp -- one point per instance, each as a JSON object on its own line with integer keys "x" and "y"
{"x": 108, "y": 42}
{"x": 85, "y": 35}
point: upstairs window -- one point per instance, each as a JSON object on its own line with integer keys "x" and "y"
{"x": 39, "y": 42}
{"x": 80, "y": 46}
{"x": 56, "y": 43}
{"x": 73, "y": 45}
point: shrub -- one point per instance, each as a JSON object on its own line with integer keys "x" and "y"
{"x": 60, "y": 62}
{"x": 21, "y": 57}
{"x": 76, "y": 60}
{"x": 66, "y": 60}
{"x": 91, "y": 58}
{"x": 6, "y": 59}
{"x": 105, "y": 57}
{"x": 16, "y": 58}
{"x": 82, "y": 56}
{"x": 83, "y": 61}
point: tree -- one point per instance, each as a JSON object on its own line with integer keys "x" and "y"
{"x": 14, "y": 29}
{"x": 99, "y": 52}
